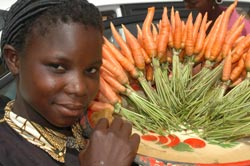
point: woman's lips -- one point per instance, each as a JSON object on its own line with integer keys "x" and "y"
{"x": 70, "y": 109}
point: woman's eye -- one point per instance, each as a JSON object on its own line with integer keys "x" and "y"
{"x": 92, "y": 70}
{"x": 57, "y": 67}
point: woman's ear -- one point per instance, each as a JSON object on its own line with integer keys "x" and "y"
{"x": 11, "y": 58}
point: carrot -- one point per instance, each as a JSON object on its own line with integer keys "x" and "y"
{"x": 139, "y": 35}
{"x": 172, "y": 28}
{"x": 198, "y": 58}
{"x": 184, "y": 35}
{"x": 201, "y": 35}
{"x": 116, "y": 85}
{"x": 197, "y": 25}
{"x": 108, "y": 92}
{"x": 231, "y": 38}
{"x": 177, "y": 31}
{"x": 213, "y": 36}
{"x": 208, "y": 24}
{"x": 247, "y": 61}
{"x": 219, "y": 58}
{"x": 221, "y": 34}
{"x": 119, "y": 74}
{"x": 235, "y": 25}
{"x": 100, "y": 106}
{"x": 108, "y": 55}
{"x": 172, "y": 18}
{"x": 125, "y": 63}
{"x": 145, "y": 55}
{"x": 189, "y": 43}
{"x": 227, "y": 68}
{"x": 163, "y": 34}
{"x": 107, "y": 71}
{"x": 240, "y": 48}
{"x": 239, "y": 39}
{"x": 182, "y": 55}
{"x": 169, "y": 55}
{"x": 100, "y": 97}
{"x": 164, "y": 58}
{"x": 135, "y": 48}
{"x": 236, "y": 72}
{"x": 148, "y": 41}
{"x": 237, "y": 81}
{"x": 149, "y": 72}
{"x": 171, "y": 38}
{"x": 124, "y": 48}
{"x": 155, "y": 33}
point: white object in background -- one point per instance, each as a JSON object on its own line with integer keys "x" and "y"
{"x": 5, "y": 4}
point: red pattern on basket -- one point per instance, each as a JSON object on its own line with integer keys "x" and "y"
{"x": 172, "y": 140}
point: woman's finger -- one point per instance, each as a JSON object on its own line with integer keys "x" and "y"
{"x": 116, "y": 124}
{"x": 102, "y": 124}
{"x": 126, "y": 129}
{"x": 135, "y": 141}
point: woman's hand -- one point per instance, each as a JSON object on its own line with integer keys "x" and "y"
{"x": 111, "y": 145}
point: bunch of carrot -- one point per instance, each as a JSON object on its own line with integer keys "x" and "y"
{"x": 174, "y": 75}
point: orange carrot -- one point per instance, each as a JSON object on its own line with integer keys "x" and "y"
{"x": 201, "y": 55}
{"x": 177, "y": 31}
{"x": 182, "y": 55}
{"x": 247, "y": 61}
{"x": 124, "y": 48}
{"x": 227, "y": 68}
{"x": 149, "y": 72}
{"x": 213, "y": 36}
{"x": 120, "y": 74}
{"x": 108, "y": 92}
{"x": 100, "y": 97}
{"x": 163, "y": 34}
{"x": 116, "y": 85}
{"x": 164, "y": 58}
{"x": 239, "y": 39}
{"x": 155, "y": 33}
{"x": 236, "y": 72}
{"x": 100, "y": 106}
{"x": 172, "y": 28}
{"x": 135, "y": 48}
{"x": 145, "y": 55}
{"x": 221, "y": 34}
{"x": 184, "y": 35}
{"x": 125, "y": 63}
{"x": 108, "y": 55}
{"x": 172, "y": 18}
{"x": 231, "y": 38}
{"x": 201, "y": 35}
{"x": 237, "y": 81}
{"x": 171, "y": 38}
{"x": 169, "y": 55}
{"x": 139, "y": 35}
{"x": 240, "y": 48}
{"x": 107, "y": 71}
{"x": 235, "y": 25}
{"x": 189, "y": 43}
{"x": 197, "y": 25}
{"x": 148, "y": 41}
{"x": 208, "y": 24}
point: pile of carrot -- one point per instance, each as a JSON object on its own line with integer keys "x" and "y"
{"x": 174, "y": 75}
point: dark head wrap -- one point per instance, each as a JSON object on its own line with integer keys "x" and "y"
{"x": 23, "y": 15}
{"x": 20, "y": 12}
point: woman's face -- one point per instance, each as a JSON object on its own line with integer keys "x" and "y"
{"x": 59, "y": 73}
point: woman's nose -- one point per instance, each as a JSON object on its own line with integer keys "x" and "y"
{"x": 76, "y": 85}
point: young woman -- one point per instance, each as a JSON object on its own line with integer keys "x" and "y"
{"x": 54, "y": 50}
{"x": 214, "y": 8}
